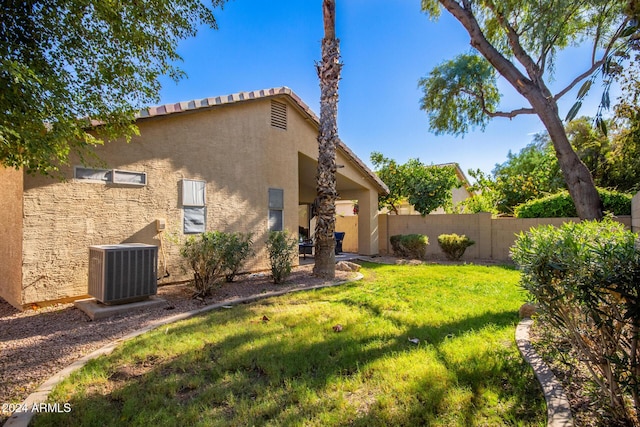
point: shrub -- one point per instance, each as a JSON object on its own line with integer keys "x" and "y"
{"x": 453, "y": 245}
{"x": 236, "y": 248}
{"x": 560, "y": 205}
{"x": 584, "y": 278}
{"x": 282, "y": 250}
{"x": 214, "y": 255}
{"x": 204, "y": 257}
{"x": 410, "y": 245}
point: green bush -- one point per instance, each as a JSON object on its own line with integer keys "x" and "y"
{"x": 282, "y": 251}
{"x": 213, "y": 256}
{"x": 584, "y": 277}
{"x": 203, "y": 256}
{"x": 560, "y": 205}
{"x": 410, "y": 245}
{"x": 453, "y": 245}
{"x": 236, "y": 248}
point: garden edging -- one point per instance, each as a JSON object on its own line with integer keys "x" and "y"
{"x": 558, "y": 408}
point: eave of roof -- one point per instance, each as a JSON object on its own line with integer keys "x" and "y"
{"x": 303, "y": 108}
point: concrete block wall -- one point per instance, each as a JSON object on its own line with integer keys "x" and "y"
{"x": 493, "y": 236}
{"x": 635, "y": 213}
{"x": 475, "y": 226}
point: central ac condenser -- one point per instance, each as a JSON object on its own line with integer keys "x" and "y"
{"x": 123, "y": 273}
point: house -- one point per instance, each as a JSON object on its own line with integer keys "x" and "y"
{"x": 243, "y": 162}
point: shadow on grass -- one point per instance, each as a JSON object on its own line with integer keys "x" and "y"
{"x": 374, "y": 265}
{"x": 262, "y": 374}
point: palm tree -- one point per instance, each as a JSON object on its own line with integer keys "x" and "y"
{"x": 329, "y": 75}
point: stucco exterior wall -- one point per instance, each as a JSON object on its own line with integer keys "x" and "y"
{"x": 11, "y": 236}
{"x": 234, "y": 149}
{"x": 348, "y": 225}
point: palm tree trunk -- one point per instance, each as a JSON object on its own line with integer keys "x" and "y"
{"x": 329, "y": 74}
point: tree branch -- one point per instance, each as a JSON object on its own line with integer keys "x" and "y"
{"x": 595, "y": 65}
{"x": 508, "y": 114}
{"x": 514, "y": 41}
{"x": 508, "y": 70}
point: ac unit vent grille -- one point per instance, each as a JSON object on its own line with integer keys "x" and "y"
{"x": 123, "y": 273}
{"x": 279, "y": 115}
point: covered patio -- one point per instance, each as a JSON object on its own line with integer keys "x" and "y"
{"x": 353, "y": 182}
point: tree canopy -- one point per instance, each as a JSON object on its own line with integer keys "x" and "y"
{"x": 69, "y": 64}
{"x": 519, "y": 40}
{"x": 534, "y": 172}
{"x": 425, "y": 187}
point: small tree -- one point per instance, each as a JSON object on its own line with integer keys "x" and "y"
{"x": 426, "y": 187}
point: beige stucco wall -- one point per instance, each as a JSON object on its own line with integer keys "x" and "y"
{"x": 233, "y": 148}
{"x": 348, "y": 225}
{"x": 11, "y": 236}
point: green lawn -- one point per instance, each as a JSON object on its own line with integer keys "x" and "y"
{"x": 232, "y": 368}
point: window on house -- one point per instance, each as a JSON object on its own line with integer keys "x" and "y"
{"x": 193, "y": 206}
{"x": 193, "y": 192}
{"x": 112, "y": 176}
{"x": 101, "y": 175}
{"x": 276, "y": 209}
{"x": 195, "y": 219}
{"x": 279, "y": 115}
{"x": 129, "y": 177}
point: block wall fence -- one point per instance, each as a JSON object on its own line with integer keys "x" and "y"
{"x": 493, "y": 236}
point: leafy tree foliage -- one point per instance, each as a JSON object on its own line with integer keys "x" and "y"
{"x": 534, "y": 172}
{"x": 69, "y": 64}
{"x": 518, "y": 40}
{"x": 426, "y": 187}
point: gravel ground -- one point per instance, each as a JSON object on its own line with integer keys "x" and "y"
{"x": 35, "y": 344}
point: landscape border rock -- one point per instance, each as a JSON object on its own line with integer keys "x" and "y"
{"x": 558, "y": 408}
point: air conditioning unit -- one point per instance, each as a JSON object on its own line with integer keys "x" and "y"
{"x": 123, "y": 273}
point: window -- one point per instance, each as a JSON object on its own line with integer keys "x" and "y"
{"x": 195, "y": 219}
{"x": 193, "y": 206}
{"x": 193, "y": 192}
{"x": 110, "y": 176}
{"x": 129, "y": 177}
{"x": 102, "y": 175}
{"x": 276, "y": 209}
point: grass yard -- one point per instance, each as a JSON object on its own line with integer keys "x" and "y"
{"x": 235, "y": 368}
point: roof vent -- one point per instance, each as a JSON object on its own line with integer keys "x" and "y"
{"x": 279, "y": 115}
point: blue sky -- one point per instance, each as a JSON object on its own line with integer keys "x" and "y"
{"x": 386, "y": 47}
